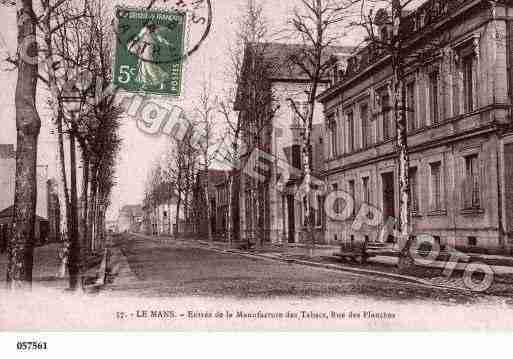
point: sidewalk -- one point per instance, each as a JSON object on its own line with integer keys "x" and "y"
{"x": 46, "y": 268}
{"x": 384, "y": 266}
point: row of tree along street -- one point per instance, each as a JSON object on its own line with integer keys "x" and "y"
{"x": 72, "y": 40}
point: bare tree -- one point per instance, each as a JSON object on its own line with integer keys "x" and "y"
{"x": 190, "y": 153}
{"x": 389, "y": 34}
{"x": 173, "y": 171}
{"x": 75, "y": 40}
{"x": 251, "y": 29}
{"x": 317, "y": 23}
{"x": 79, "y": 48}
{"x": 153, "y": 195}
{"x": 231, "y": 156}
{"x": 28, "y": 123}
{"x": 205, "y": 122}
{"x": 178, "y": 170}
{"x": 255, "y": 104}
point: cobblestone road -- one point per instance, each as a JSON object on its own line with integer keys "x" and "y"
{"x": 178, "y": 269}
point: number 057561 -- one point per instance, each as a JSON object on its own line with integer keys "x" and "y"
{"x": 31, "y": 346}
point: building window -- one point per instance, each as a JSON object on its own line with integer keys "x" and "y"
{"x": 468, "y": 82}
{"x": 320, "y": 217}
{"x": 410, "y": 106}
{"x": 472, "y": 241}
{"x": 352, "y": 193}
{"x": 249, "y": 210}
{"x": 438, "y": 240}
{"x": 366, "y": 131}
{"x": 436, "y": 186}
{"x": 350, "y": 131}
{"x": 385, "y": 110}
{"x": 384, "y": 35}
{"x": 336, "y": 206}
{"x": 308, "y": 215}
{"x": 296, "y": 156}
{"x": 414, "y": 192}
{"x": 302, "y": 108}
{"x": 472, "y": 189}
{"x": 366, "y": 190}
{"x": 433, "y": 96}
{"x": 334, "y": 136}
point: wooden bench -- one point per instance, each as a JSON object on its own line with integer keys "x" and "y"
{"x": 360, "y": 252}
{"x": 355, "y": 252}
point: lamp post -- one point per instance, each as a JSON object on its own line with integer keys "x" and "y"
{"x": 73, "y": 102}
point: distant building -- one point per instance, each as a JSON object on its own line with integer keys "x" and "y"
{"x": 41, "y": 226}
{"x": 130, "y": 218}
{"x": 111, "y": 226}
{"x": 270, "y": 209}
{"x": 160, "y": 212}
{"x": 218, "y": 197}
{"x": 47, "y": 204}
{"x": 223, "y": 220}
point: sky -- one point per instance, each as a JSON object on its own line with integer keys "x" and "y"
{"x": 139, "y": 150}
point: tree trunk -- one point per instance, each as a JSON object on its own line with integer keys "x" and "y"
{"x": 91, "y": 233}
{"x": 186, "y": 208}
{"x": 84, "y": 201}
{"x": 209, "y": 212}
{"x": 62, "y": 159}
{"x": 157, "y": 219}
{"x": 169, "y": 221}
{"x": 177, "y": 214}
{"x": 74, "y": 253}
{"x": 399, "y": 99}
{"x": 230, "y": 217}
{"x": 99, "y": 227}
{"x": 28, "y": 124}
{"x": 100, "y": 222}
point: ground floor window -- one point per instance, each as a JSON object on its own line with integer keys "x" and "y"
{"x": 436, "y": 186}
{"x": 472, "y": 191}
{"x": 414, "y": 192}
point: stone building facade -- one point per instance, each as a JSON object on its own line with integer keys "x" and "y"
{"x": 459, "y": 122}
{"x": 217, "y": 192}
{"x": 130, "y": 218}
{"x": 271, "y": 176}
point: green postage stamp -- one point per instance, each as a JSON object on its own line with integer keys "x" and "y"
{"x": 149, "y": 51}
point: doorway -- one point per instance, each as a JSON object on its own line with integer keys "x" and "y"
{"x": 291, "y": 218}
{"x": 388, "y": 198}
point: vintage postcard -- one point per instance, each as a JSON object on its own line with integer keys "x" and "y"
{"x": 301, "y": 165}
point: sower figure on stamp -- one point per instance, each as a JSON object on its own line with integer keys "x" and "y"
{"x": 147, "y": 46}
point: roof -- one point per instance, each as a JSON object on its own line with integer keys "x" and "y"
{"x": 281, "y": 63}
{"x": 215, "y": 176}
{"x": 9, "y": 213}
{"x": 133, "y": 210}
{"x": 415, "y": 24}
{"x": 7, "y": 151}
{"x": 282, "y": 56}
{"x": 165, "y": 192}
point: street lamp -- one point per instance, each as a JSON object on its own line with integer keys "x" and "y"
{"x": 73, "y": 101}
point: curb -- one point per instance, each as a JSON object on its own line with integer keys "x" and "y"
{"x": 365, "y": 272}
